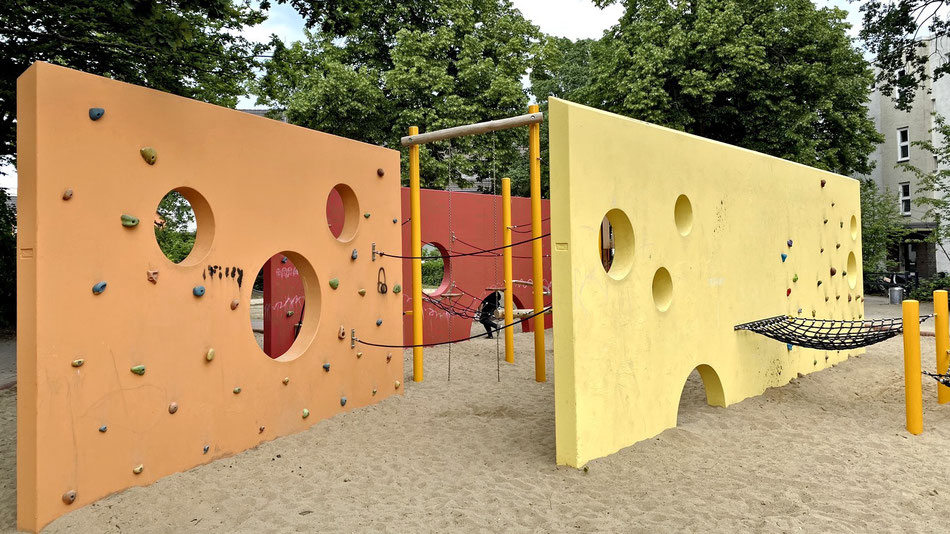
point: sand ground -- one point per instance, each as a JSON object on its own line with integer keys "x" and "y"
{"x": 827, "y": 452}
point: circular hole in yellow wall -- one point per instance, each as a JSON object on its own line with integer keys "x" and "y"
{"x": 854, "y": 227}
{"x": 343, "y": 212}
{"x": 662, "y": 289}
{"x": 616, "y": 241}
{"x": 285, "y": 305}
{"x": 184, "y": 226}
{"x": 683, "y": 215}
{"x": 852, "y": 270}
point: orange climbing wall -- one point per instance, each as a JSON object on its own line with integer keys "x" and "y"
{"x": 259, "y": 188}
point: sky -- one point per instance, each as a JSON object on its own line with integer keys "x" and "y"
{"x": 574, "y": 19}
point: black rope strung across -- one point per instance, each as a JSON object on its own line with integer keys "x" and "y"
{"x": 499, "y": 329}
{"x": 481, "y": 252}
{"x": 826, "y": 334}
{"x": 943, "y": 379}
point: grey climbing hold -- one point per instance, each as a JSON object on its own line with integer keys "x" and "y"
{"x": 395, "y": 220}
{"x": 70, "y": 496}
{"x": 129, "y": 221}
{"x": 397, "y": 288}
{"x": 326, "y": 367}
{"x": 306, "y": 413}
{"x": 138, "y": 369}
{"x": 138, "y": 469}
{"x": 173, "y": 407}
{"x": 236, "y": 390}
{"x": 209, "y": 355}
{"x": 342, "y": 401}
{"x": 96, "y": 113}
{"x": 103, "y": 428}
{"x": 206, "y": 449}
{"x": 353, "y": 254}
{"x": 79, "y": 362}
{"x": 149, "y": 155}
{"x": 334, "y": 283}
{"x": 379, "y": 322}
{"x": 98, "y": 288}
{"x": 67, "y": 194}
{"x": 198, "y": 291}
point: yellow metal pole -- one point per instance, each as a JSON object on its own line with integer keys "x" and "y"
{"x": 942, "y": 331}
{"x": 509, "y": 296}
{"x": 913, "y": 397}
{"x": 534, "y": 154}
{"x": 415, "y": 220}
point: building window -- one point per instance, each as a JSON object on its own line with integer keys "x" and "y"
{"x": 903, "y": 144}
{"x": 905, "y": 197}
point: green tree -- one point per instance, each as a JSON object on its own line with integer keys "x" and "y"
{"x": 191, "y": 48}
{"x": 7, "y": 262}
{"x": 776, "y": 76}
{"x": 175, "y": 227}
{"x": 372, "y": 69}
{"x": 892, "y": 32}
{"x": 933, "y": 187}
{"x": 881, "y": 227}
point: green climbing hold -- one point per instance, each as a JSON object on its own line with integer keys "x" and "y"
{"x": 362, "y": 292}
{"x": 795, "y": 278}
{"x": 138, "y": 369}
{"x": 397, "y": 288}
{"x": 306, "y": 413}
{"x": 149, "y": 155}
{"x": 290, "y": 313}
{"x": 334, "y": 283}
{"x": 366, "y": 215}
{"x": 79, "y": 362}
{"x": 286, "y": 380}
{"x": 209, "y": 355}
{"x": 129, "y": 221}
{"x": 236, "y": 390}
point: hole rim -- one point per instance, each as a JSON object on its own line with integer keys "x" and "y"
{"x": 662, "y": 289}
{"x": 852, "y": 270}
{"x": 855, "y": 227}
{"x": 683, "y": 215}
{"x": 446, "y": 282}
{"x": 624, "y": 244}
{"x": 312, "y": 299}
{"x": 351, "y": 213}
{"x": 204, "y": 227}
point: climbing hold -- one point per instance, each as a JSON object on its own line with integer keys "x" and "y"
{"x": 260, "y": 430}
{"x": 784, "y": 257}
{"x": 342, "y": 333}
{"x": 837, "y": 297}
{"x": 290, "y": 313}
{"x": 799, "y": 311}
{"x": 849, "y": 298}
{"x": 822, "y": 250}
{"x": 380, "y": 172}
{"x": 286, "y": 380}
{"x": 67, "y": 194}
{"x": 815, "y": 362}
{"x": 198, "y": 291}
{"x": 98, "y": 288}
{"x": 795, "y": 278}
{"x": 103, "y": 428}
{"x": 844, "y": 273}
{"x": 833, "y": 271}
{"x": 79, "y": 362}
{"x": 837, "y": 245}
{"x": 70, "y": 496}
{"x": 789, "y": 243}
{"x": 235, "y": 303}
{"x": 149, "y": 155}
{"x": 342, "y": 401}
{"x": 395, "y": 220}
{"x": 374, "y": 392}
{"x": 788, "y": 346}
{"x": 353, "y": 254}
{"x": 813, "y": 313}
{"x": 306, "y": 413}
{"x": 326, "y": 367}
{"x": 334, "y": 283}
{"x": 832, "y": 204}
{"x": 206, "y": 449}
{"x": 236, "y": 390}
{"x": 96, "y": 113}
{"x": 138, "y": 469}
{"x": 788, "y": 292}
{"x": 841, "y": 224}
{"x": 284, "y": 259}
{"x": 826, "y": 221}
{"x": 362, "y": 292}
{"x": 389, "y": 356}
{"x": 397, "y": 288}
{"x": 826, "y": 299}
{"x": 366, "y": 215}
{"x": 138, "y": 369}
{"x": 819, "y": 282}
{"x": 173, "y": 407}
{"x": 152, "y": 276}
{"x": 359, "y": 354}
{"x": 397, "y": 384}
{"x": 379, "y": 322}
{"x": 823, "y": 183}
{"x": 209, "y": 355}
{"x": 129, "y": 221}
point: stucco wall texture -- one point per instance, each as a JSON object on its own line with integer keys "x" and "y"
{"x": 701, "y": 229}
{"x": 88, "y": 424}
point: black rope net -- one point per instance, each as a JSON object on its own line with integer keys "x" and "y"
{"x": 826, "y": 334}
{"x": 943, "y": 379}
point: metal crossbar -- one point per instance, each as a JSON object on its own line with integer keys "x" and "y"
{"x": 826, "y": 334}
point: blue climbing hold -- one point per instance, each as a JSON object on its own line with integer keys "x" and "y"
{"x": 354, "y": 254}
{"x": 788, "y": 346}
{"x": 284, "y": 259}
{"x": 98, "y": 288}
{"x": 342, "y": 401}
{"x": 379, "y": 322}
{"x": 96, "y": 113}
{"x": 789, "y": 243}
{"x": 102, "y": 428}
{"x": 784, "y": 257}
{"x": 198, "y": 291}
{"x": 326, "y": 367}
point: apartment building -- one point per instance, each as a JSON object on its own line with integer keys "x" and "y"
{"x": 900, "y": 130}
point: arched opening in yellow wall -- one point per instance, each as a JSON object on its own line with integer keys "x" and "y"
{"x": 702, "y": 383}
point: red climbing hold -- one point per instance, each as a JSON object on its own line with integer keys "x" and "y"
{"x": 788, "y": 292}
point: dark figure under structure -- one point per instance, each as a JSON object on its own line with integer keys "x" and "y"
{"x": 486, "y": 312}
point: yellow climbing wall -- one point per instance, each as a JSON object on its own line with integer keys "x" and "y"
{"x": 87, "y": 425}
{"x": 700, "y": 229}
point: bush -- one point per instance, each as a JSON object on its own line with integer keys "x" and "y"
{"x": 925, "y": 291}
{"x": 432, "y": 271}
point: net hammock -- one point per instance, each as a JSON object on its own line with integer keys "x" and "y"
{"x": 826, "y": 334}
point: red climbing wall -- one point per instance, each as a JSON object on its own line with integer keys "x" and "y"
{"x": 284, "y": 303}
{"x": 475, "y": 223}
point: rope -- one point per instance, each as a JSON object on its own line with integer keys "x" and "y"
{"x": 943, "y": 379}
{"x": 826, "y": 334}
{"x": 464, "y": 254}
{"x": 499, "y": 329}
{"x": 452, "y": 237}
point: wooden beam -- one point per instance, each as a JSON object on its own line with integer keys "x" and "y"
{"x": 472, "y": 129}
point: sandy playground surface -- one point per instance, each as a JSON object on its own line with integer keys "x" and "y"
{"x": 827, "y": 452}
